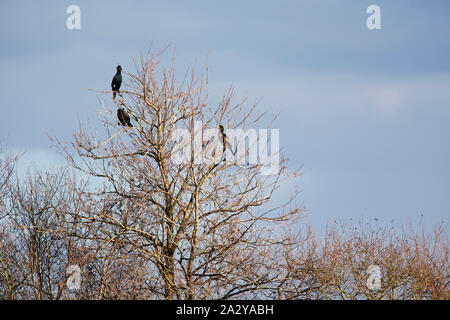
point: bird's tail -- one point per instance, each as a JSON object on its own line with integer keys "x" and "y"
{"x": 229, "y": 146}
{"x": 114, "y": 95}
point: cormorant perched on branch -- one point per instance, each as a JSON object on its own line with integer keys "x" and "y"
{"x": 124, "y": 118}
{"x": 116, "y": 81}
{"x": 223, "y": 138}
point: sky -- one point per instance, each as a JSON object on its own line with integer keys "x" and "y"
{"x": 366, "y": 112}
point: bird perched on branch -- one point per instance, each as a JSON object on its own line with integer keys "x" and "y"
{"x": 116, "y": 81}
{"x": 223, "y": 138}
{"x": 124, "y": 118}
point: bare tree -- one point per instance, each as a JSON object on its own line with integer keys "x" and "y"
{"x": 8, "y": 281}
{"x": 204, "y": 229}
{"x": 413, "y": 264}
{"x": 39, "y": 246}
{"x": 165, "y": 207}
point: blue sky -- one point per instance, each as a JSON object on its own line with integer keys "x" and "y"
{"x": 367, "y": 112}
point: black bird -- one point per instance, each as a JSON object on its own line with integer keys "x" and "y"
{"x": 116, "y": 81}
{"x": 223, "y": 138}
{"x": 124, "y": 118}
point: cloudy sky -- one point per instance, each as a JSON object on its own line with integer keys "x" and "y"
{"x": 366, "y": 112}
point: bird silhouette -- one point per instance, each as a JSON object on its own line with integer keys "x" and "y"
{"x": 124, "y": 118}
{"x": 116, "y": 81}
{"x": 223, "y": 138}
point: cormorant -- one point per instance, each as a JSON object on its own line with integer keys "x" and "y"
{"x": 223, "y": 138}
{"x": 116, "y": 81}
{"x": 124, "y": 118}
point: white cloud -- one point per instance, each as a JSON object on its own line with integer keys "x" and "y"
{"x": 37, "y": 158}
{"x": 308, "y": 93}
